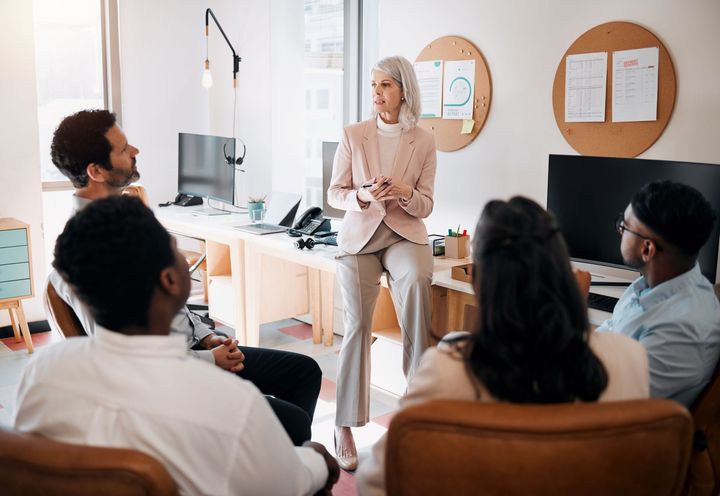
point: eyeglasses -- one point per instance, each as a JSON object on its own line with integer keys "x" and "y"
{"x": 621, "y": 228}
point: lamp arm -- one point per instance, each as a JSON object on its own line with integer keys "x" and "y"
{"x": 236, "y": 59}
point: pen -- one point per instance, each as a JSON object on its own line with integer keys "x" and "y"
{"x": 372, "y": 184}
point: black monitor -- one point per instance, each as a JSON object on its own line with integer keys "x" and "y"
{"x": 203, "y": 168}
{"x": 586, "y": 194}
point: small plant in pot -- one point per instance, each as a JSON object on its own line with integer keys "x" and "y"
{"x": 256, "y": 208}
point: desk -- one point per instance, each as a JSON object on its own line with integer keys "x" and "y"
{"x": 271, "y": 279}
{"x": 461, "y": 309}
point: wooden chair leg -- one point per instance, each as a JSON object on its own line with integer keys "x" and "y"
{"x": 24, "y": 327}
{"x": 16, "y": 330}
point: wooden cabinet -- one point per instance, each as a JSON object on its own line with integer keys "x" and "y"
{"x": 16, "y": 282}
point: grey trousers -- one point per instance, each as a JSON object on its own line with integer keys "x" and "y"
{"x": 409, "y": 266}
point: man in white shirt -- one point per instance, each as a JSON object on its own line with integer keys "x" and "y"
{"x": 132, "y": 385}
{"x": 91, "y": 150}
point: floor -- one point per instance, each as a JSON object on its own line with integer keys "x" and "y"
{"x": 290, "y": 335}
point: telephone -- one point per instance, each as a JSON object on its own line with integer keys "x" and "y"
{"x": 183, "y": 200}
{"x": 311, "y": 222}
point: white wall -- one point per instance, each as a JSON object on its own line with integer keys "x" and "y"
{"x": 523, "y": 42}
{"x": 162, "y": 49}
{"x": 247, "y": 25}
{"x": 20, "y": 187}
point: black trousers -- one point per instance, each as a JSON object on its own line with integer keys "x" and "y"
{"x": 290, "y": 382}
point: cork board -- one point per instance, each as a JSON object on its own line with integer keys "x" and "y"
{"x": 447, "y": 131}
{"x": 615, "y": 139}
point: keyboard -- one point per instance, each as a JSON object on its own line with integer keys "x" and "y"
{"x": 601, "y": 302}
{"x": 261, "y": 228}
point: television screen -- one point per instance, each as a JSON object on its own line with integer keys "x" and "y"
{"x": 203, "y": 169}
{"x": 586, "y": 194}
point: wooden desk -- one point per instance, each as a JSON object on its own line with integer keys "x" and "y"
{"x": 457, "y": 300}
{"x": 271, "y": 279}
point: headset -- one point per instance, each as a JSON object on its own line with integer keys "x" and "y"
{"x": 229, "y": 159}
{"x": 309, "y": 243}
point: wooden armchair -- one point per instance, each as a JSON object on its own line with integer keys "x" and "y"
{"x": 449, "y": 447}
{"x": 31, "y": 465}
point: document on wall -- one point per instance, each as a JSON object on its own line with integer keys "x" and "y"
{"x": 635, "y": 85}
{"x": 585, "y": 87}
{"x": 458, "y": 89}
{"x": 429, "y": 76}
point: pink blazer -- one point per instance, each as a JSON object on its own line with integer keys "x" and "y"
{"x": 357, "y": 161}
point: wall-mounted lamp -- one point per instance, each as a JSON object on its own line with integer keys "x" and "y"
{"x": 207, "y": 80}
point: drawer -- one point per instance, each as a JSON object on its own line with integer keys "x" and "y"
{"x": 12, "y": 255}
{"x": 14, "y": 289}
{"x": 13, "y": 237}
{"x": 13, "y": 272}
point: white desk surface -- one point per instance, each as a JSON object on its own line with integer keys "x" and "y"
{"x": 220, "y": 228}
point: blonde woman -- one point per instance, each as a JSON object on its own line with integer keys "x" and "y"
{"x": 383, "y": 177}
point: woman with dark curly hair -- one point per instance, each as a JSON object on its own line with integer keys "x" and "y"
{"x": 533, "y": 342}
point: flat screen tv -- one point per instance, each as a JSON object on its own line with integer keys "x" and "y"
{"x": 203, "y": 168}
{"x": 586, "y": 194}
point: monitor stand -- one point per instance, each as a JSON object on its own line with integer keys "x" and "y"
{"x": 209, "y": 211}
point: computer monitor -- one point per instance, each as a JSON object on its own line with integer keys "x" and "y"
{"x": 328, "y": 157}
{"x": 586, "y": 194}
{"x": 203, "y": 168}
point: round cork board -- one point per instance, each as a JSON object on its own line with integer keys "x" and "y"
{"x": 616, "y": 139}
{"x": 447, "y": 131}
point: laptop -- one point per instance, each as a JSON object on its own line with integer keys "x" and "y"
{"x": 280, "y": 215}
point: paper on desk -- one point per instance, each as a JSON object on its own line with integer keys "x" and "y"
{"x": 429, "y": 76}
{"x": 458, "y": 89}
{"x": 585, "y": 87}
{"x": 635, "y": 82}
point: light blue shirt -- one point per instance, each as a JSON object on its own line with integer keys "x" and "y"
{"x": 678, "y": 323}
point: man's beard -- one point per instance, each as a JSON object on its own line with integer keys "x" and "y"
{"x": 120, "y": 179}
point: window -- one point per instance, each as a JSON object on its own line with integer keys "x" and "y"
{"x": 69, "y": 68}
{"x": 71, "y": 75}
{"x": 324, "y": 76}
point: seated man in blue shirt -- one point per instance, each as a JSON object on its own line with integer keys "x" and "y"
{"x": 671, "y": 309}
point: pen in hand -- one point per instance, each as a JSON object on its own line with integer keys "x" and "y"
{"x": 372, "y": 184}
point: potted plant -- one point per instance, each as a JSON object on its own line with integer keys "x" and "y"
{"x": 256, "y": 208}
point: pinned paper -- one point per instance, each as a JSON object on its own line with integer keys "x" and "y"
{"x": 467, "y": 127}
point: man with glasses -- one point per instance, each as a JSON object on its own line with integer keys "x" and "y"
{"x": 671, "y": 309}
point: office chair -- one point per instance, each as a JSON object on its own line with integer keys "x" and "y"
{"x": 32, "y": 466}
{"x": 637, "y": 447}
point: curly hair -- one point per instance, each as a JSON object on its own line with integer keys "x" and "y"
{"x": 531, "y": 345}
{"x": 678, "y": 213}
{"x": 111, "y": 253}
{"x": 79, "y": 141}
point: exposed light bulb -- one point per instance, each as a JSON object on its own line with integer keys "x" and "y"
{"x": 207, "y": 80}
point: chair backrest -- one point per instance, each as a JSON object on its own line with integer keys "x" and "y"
{"x": 31, "y": 465}
{"x": 61, "y": 316}
{"x": 704, "y": 474}
{"x": 449, "y": 447}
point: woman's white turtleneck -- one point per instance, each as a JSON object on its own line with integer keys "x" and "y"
{"x": 388, "y": 141}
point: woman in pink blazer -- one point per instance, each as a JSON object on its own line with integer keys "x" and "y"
{"x": 383, "y": 177}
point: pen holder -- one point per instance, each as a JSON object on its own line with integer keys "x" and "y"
{"x": 456, "y": 246}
